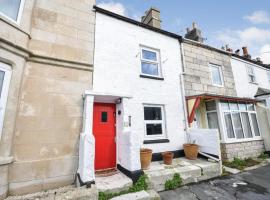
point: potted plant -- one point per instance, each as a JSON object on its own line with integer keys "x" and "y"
{"x": 167, "y": 157}
{"x": 146, "y": 158}
{"x": 191, "y": 149}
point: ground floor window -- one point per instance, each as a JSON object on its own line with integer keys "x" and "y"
{"x": 154, "y": 124}
{"x": 240, "y": 120}
{"x": 5, "y": 75}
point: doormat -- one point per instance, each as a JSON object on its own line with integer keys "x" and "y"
{"x": 106, "y": 172}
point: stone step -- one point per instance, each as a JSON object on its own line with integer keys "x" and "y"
{"x": 142, "y": 195}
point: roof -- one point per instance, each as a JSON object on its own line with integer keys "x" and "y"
{"x": 222, "y": 97}
{"x": 137, "y": 23}
{"x": 262, "y": 92}
{"x": 251, "y": 61}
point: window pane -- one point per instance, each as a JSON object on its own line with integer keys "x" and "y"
{"x": 225, "y": 105}
{"x": 212, "y": 120}
{"x": 237, "y": 125}
{"x": 152, "y": 113}
{"x": 250, "y": 106}
{"x": 246, "y": 125}
{"x": 10, "y": 8}
{"x": 149, "y": 55}
{"x": 104, "y": 117}
{"x": 154, "y": 129}
{"x": 255, "y": 124}
{"x": 229, "y": 126}
{"x": 210, "y": 105}
{"x": 149, "y": 68}
{"x": 216, "y": 78}
{"x": 233, "y": 106}
{"x": 242, "y": 106}
{"x": 2, "y": 75}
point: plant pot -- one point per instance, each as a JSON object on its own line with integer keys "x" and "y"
{"x": 167, "y": 157}
{"x": 146, "y": 158}
{"x": 191, "y": 151}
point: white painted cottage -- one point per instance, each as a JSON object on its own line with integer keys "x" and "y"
{"x": 136, "y": 99}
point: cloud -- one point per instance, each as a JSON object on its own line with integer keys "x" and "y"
{"x": 265, "y": 53}
{"x": 114, "y": 7}
{"x": 258, "y": 17}
{"x": 257, "y": 40}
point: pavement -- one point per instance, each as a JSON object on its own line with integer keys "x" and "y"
{"x": 249, "y": 185}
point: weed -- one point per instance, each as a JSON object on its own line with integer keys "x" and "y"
{"x": 263, "y": 156}
{"x": 175, "y": 182}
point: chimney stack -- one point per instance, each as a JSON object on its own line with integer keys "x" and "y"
{"x": 194, "y": 34}
{"x": 152, "y": 18}
{"x": 228, "y": 48}
{"x": 259, "y": 60}
{"x": 245, "y": 53}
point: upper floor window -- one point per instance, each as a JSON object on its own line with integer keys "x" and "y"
{"x": 216, "y": 75}
{"x": 251, "y": 74}
{"x": 11, "y": 9}
{"x": 150, "y": 62}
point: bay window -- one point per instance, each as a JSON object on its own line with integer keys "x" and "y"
{"x": 154, "y": 121}
{"x": 240, "y": 120}
{"x": 11, "y": 9}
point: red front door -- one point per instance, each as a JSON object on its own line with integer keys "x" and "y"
{"x": 104, "y": 132}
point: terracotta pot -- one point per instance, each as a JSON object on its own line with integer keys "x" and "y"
{"x": 146, "y": 158}
{"x": 167, "y": 157}
{"x": 191, "y": 151}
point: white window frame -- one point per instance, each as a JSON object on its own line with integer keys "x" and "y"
{"x": 19, "y": 14}
{"x": 249, "y": 112}
{"x": 220, "y": 74}
{"x": 4, "y": 95}
{"x": 151, "y": 61}
{"x": 251, "y": 74}
{"x": 162, "y": 122}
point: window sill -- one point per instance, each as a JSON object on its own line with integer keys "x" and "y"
{"x": 152, "y": 77}
{"x": 242, "y": 140}
{"x": 156, "y": 141}
{"x": 255, "y": 83}
{"x": 220, "y": 86}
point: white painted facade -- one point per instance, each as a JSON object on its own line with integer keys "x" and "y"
{"x": 117, "y": 75}
{"x": 243, "y": 87}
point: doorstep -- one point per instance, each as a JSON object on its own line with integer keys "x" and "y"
{"x": 191, "y": 171}
{"x": 113, "y": 183}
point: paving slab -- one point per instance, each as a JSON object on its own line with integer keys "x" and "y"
{"x": 142, "y": 195}
{"x": 115, "y": 183}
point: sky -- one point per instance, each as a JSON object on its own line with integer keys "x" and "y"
{"x": 237, "y": 23}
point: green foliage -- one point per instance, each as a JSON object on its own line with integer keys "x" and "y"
{"x": 241, "y": 164}
{"x": 175, "y": 182}
{"x": 263, "y": 156}
{"x": 140, "y": 185}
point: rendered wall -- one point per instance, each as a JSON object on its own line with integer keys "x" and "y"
{"x": 117, "y": 70}
{"x": 242, "y": 85}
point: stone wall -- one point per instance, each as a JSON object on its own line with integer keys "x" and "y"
{"x": 242, "y": 149}
{"x": 197, "y": 76}
{"x": 51, "y": 56}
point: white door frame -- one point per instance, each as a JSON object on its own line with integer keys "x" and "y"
{"x": 4, "y": 94}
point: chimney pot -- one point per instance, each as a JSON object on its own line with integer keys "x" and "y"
{"x": 237, "y": 52}
{"x": 245, "y": 52}
{"x": 194, "y": 25}
{"x": 188, "y": 30}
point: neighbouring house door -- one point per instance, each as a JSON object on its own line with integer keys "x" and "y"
{"x": 5, "y": 75}
{"x": 104, "y": 132}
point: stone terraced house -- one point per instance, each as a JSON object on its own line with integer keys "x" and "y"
{"x": 219, "y": 95}
{"x": 46, "y": 64}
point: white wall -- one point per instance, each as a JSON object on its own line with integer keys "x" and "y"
{"x": 242, "y": 85}
{"x": 117, "y": 70}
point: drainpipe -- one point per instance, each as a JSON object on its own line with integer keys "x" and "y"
{"x": 182, "y": 83}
